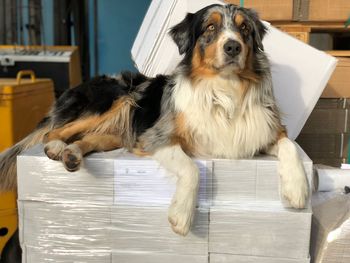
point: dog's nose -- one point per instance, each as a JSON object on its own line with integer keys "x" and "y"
{"x": 232, "y": 48}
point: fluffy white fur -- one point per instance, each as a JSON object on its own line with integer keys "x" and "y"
{"x": 222, "y": 126}
{"x": 182, "y": 207}
{"x": 294, "y": 184}
{"x": 54, "y": 149}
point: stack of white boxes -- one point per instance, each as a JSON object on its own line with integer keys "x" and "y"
{"x": 248, "y": 222}
{"x": 114, "y": 209}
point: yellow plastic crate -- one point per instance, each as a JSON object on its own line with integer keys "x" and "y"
{"x": 8, "y": 217}
{"x": 23, "y": 104}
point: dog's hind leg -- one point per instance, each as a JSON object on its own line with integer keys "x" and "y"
{"x": 55, "y": 140}
{"x": 71, "y": 129}
{"x": 72, "y": 154}
{"x": 114, "y": 121}
{"x": 181, "y": 210}
{"x": 294, "y": 184}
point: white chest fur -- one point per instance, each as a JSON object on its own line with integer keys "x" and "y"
{"x": 222, "y": 121}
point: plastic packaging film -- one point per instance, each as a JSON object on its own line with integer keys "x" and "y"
{"x": 114, "y": 209}
{"x": 330, "y": 237}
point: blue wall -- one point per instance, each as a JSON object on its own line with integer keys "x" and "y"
{"x": 118, "y": 24}
{"x": 47, "y": 6}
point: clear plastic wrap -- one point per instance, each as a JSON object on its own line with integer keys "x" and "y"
{"x": 330, "y": 227}
{"x": 114, "y": 209}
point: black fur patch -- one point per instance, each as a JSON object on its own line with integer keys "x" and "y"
{"x": 149, "y": 106}
{"x": 93, "y": 97}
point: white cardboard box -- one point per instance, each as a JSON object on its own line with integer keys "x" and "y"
{"x": 265, "y": 230}
{"x": 119, "y": 203}
{"x": 106, "y": 179}
{"x": 59, "y": 255}
{"x": 227, "y": 258}
{"x": 147, "y": 230}
{"x": 103, "y": 179}
{"x": 64, "y": 255}
{"x": 132, "y": 229}
{"x": 124, "y": 257}
{"x": 248, "y": 180}
{"x": 64, "y": 225}
{"x": 299, "y": 71}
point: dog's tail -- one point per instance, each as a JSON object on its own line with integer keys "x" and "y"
{"x": 8, "y": 158}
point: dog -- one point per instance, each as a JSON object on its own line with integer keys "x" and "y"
{"x": 218, "y": 103}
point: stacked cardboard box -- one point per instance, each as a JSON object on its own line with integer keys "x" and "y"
{"x": 325, "y": 136}
{"x": 339, "y": 83}
{"x": 114, "y": 209}
{"x": 299, "y": 10}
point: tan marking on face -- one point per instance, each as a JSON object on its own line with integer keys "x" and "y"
{"x": 182, "y": 135}
{"x": 238, "y": 19}
{"x": 247, "y": 73}
{"x": 215, "y": 18}
{"x": 202, "y": 64}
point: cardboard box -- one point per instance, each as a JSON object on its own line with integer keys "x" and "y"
{"x": 328, "y": 10}
{"x": 130, "y": 228}
{"x": 270, "y": 10}
{"x": 335, "y": 103}
{"x": 145, "y": 229}
{"x": 77, "y": 226}
{"x": 332, "y": 145}
{"x": 236, "y": 181}
{"x": 268, "y": 230}
{"x": 327, "y": 121}
{"x": 335, "y": 162}
{"x": 299, "y": 72}
{"x": 58, "y": 255}
{"x": 339, "y": 83}
{"x": 113, "y": 183}
{"x": 228, "y": 258}
{"x": 118, "y": 202}
{"x": 64, "y": 255}
{"x": 125, "y": 257}
{"x": 107, "y": 174}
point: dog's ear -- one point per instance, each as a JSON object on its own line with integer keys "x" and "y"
{"x": 182, "y": 33}
{"x": 259, "y": 29}
{"x": 259, "y": 33}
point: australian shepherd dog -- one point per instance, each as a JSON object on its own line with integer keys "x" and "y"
{"x": 218, "y": 103}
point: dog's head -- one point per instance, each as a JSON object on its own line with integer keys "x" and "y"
{"x": 219, "y": 39}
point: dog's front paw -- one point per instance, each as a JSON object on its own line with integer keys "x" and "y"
{"x": 295, "y": 187}
{"x": 72, "y": 157}
{"x": 54, "y": 149}
{"x": 180, "y": 215}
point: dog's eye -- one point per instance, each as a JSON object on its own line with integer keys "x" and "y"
{"x": 211, "y": 27}
{"x": 244, "y": 28}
